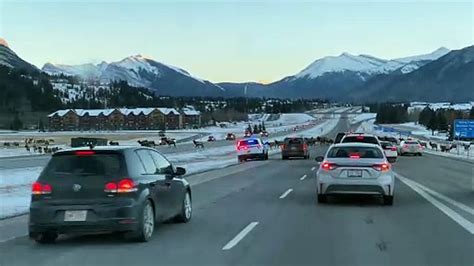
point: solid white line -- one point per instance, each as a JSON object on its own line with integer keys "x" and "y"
{"x": 445, "y": 209}
{"x": 443, "y": 197}
{"x": 286, "y": 193}
{"x": 240, "y": 236}
{"x": 303, "y": 177}
{"x": 313, "y": 168}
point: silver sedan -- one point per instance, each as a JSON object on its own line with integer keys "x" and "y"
{"x": 355, "y": 168}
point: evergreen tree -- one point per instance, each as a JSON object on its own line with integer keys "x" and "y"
{"x": 471, "y": 113}
{"x": 17, "y": 124}
{"x": 442, "y": 122}
{"x": 255, "y": 129}
{"x": 433, "y": 123}
{"x": 260, "y": 128}
{"x": 41, "y": 126}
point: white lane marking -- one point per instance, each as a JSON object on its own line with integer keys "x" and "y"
{"x": 303, "y": 177}
{"x": 286, "y": 193}
{"x": 240, "y": 236}
{"x": 445, "y": 209}
{"x": 443, "y": 197}
{"x": 313, "y": 168}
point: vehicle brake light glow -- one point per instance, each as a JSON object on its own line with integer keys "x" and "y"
{"x": 84, "y": 153}
{"x": 41, "y": 189}
{"x": 405, "y": 146}
{"x": 125, "y": 185}
{"x": 381, "y": 167}
{"x": 328, "y": 166}
{"x": 360, "y": 137}
{"x": 393, "y": 148}
{"x": 354, "y": 156}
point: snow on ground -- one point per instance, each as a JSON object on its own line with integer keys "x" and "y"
{"x": 15, "y": 183}
{"x": 419, "y": 131}
{"x": 362, "y": 117}
{"x": 291, "y": 119}
{"x": 15, "y": 190}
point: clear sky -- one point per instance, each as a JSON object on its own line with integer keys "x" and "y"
{"x": 237, "y": 40}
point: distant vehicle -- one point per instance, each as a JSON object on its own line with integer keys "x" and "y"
{"x": 390, "y": 150}
{"x": 107, "y": 189}
{"x": 294, "y": 147}
{"x": 339, "y": 137}
{"x": 162, "y": 133}
{"x": 247, "y": 134}
{"x": 360, "y": 138}
{"x": 355, "y": 168}
{"x": 252, "y": 148}
{"x": 230, "y": 136}
{"x": 211, "y": 139}
{"x": 410, "y": 147}
{"x": 264, "y": 134}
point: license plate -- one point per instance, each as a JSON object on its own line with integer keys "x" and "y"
{"x": 293, "y": 148}
{"x": 354, "y": 173}
{"x": 75, "y": 216}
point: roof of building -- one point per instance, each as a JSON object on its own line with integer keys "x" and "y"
{"x": 124, "y": 111}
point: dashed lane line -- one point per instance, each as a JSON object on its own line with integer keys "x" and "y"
{"x": 232, "y": 243}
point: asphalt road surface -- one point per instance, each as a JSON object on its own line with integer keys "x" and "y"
{"x": 265, "y": 213}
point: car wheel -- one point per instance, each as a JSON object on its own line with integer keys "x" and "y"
{"x": 240, "y": 159}
{"x": 388, "y": 200}
{"x": 146, "y": 225}
{"x": 186, "y": 209}
{"x": 284, "y": 157}
{"x": 46, "y": 238}
{"x": 266, "y": 156}
{"x": 420, "y": 154}
{"x": 322, "y": 198}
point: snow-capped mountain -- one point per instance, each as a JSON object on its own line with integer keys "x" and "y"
{"x": 144, "y": 72}
{"x": 367, "y": 64}
{"x": 11, "y": 59}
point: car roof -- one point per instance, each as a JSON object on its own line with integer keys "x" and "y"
{"x": 359, "y": 134}
{"x": 356, "y": 144}
{"x": 100, "y": 148}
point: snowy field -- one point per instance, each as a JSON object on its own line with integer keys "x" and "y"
{"x": 362, "y": 117}
{"x": 15, "y": 184}
{"x": 418, "y": 132}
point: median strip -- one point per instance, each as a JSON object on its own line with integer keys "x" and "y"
{"x": 286, "y": 193}
{"x": 240, "y": 236}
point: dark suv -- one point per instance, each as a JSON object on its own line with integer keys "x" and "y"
{"x": 294, "y": 147}
{"x": 107, "y": 189}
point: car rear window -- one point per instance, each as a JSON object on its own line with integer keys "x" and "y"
{"x": 249, "y": 142}
{"x": 348, "y": 152}
{"x": 411, "y": 142}
{"x": 360, "y": 139}
{"x": 294, "y": 141}
{"x": 386, "y": 144}
{"x": 92, "y": 165}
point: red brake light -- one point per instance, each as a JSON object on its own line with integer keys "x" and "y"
{"x": 360, "y": 137}
{"x": 329, "y": 166}
{"x": 393, "y": 148}
{"x": 405, "y": 146}
{"x": 354, "y": 156}
{"x": 40, "y": 189}
{"x": 84, "y": 153}
{"x": 123, "y": 186}
{"x": 381, "y": 167}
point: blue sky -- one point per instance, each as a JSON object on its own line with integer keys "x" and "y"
{"x": 231, "y": 40}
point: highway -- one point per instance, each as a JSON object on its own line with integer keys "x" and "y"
{"x": 265, "y": 213}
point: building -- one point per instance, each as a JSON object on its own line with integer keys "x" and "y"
{"x": 123, "y": 118}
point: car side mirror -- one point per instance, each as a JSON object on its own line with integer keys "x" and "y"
{"x": 319, "y": 159}
{"x": 392, "y": 159}
{"x": 180, "y": 171}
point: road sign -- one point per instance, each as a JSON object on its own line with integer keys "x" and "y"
{"x": 464, "y": 128}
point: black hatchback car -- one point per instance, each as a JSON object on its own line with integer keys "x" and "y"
{"x": 107, "y": 189}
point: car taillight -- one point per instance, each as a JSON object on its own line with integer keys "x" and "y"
{"x": 305, "y": 146}
{"x": 381, "y": 167}
{"x": 123, "y": 186}
{"x": 41, "y": 189}
{"x": 393, "y": 148}
{"x": 419, "y": 146}
{"x": 242, "y": 147}
{"x": 329, "y": 166}
{"x": 405, "y": 146}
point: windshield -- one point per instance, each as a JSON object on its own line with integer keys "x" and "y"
{"x": 351, "y": 152}
{"x": 360, "y": 139}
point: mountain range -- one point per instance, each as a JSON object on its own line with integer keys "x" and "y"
{"x": 440, "y": 75}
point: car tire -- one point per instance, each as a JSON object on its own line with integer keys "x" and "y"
{"x": 266, "y": 156}
{"x": 420, "y": 154}
{"x": 146, "y": 225}
{"x": 284, "y": 157}
{"x": 46, "y": 238}
{"x": 322, "y": 198}
{"x": 388, "y": 200}
{"x": 240, "y": 159}
{"x": 186, "y": 211}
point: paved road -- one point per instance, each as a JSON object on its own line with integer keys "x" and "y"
{"x": 288, "y": 228}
